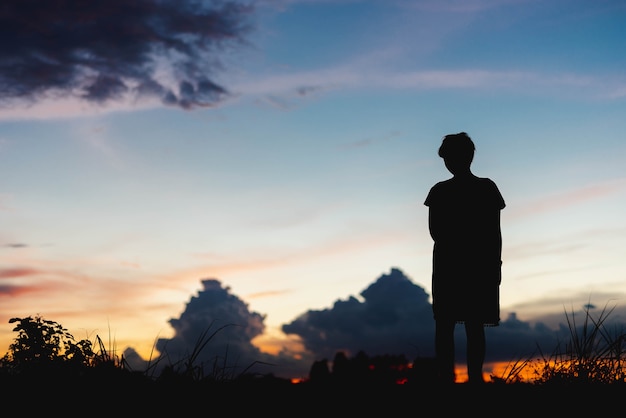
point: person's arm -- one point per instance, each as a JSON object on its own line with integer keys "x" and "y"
{"x": 499, "y": 236}
{"x": 499, "y": 247}
{"x": 434, "y": 224}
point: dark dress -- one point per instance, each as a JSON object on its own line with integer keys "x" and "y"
{"x": 464, "y": 221}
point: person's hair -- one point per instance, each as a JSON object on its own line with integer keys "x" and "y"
{"x": 457, "y": 146}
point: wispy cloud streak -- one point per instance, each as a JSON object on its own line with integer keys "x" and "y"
{"x": 17, "y": 272}
{"x": 348, "y": 77}
{"x": 567, "y": 199}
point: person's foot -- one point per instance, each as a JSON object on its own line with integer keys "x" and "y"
{"x": 476, "y": 380}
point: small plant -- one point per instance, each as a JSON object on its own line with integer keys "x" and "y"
{"x": 194, "y": 367}
{"x": 42, "y": 345}
{"x": 593, "y": 354}
{"x": 513, "y": 372}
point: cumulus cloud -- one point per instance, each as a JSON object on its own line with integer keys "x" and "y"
{"x": 217, "y": 327}
{"x": 215, "y": 331}
{"x": 395, "y": 317}
{"x": 101, "y": 51}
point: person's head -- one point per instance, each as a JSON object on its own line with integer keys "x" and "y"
{"x": 457, "y": 151}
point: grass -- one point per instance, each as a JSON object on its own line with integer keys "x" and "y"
{"x": 593, "y": 354}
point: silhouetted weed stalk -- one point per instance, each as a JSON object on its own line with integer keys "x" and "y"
{"x": 592, "y": 354}
{"x": 189, "y": 367}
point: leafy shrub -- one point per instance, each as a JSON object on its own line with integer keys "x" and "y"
{"x": 42, "y": 343}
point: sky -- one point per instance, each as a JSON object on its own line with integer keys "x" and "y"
{"x": 258, "y": 170}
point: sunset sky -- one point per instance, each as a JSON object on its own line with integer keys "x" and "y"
{"x": 290, "y": 159}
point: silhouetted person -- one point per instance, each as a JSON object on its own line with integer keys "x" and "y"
{"x": 464, "y": 223}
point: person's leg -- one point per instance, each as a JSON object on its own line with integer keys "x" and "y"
{"x": 476, "y": 347}
{"x": 444, "y": 351}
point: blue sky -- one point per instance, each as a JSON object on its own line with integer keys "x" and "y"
{"x": 305, "y": 182}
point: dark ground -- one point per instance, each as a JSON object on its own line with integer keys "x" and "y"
{"x": 277, "y": 397}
